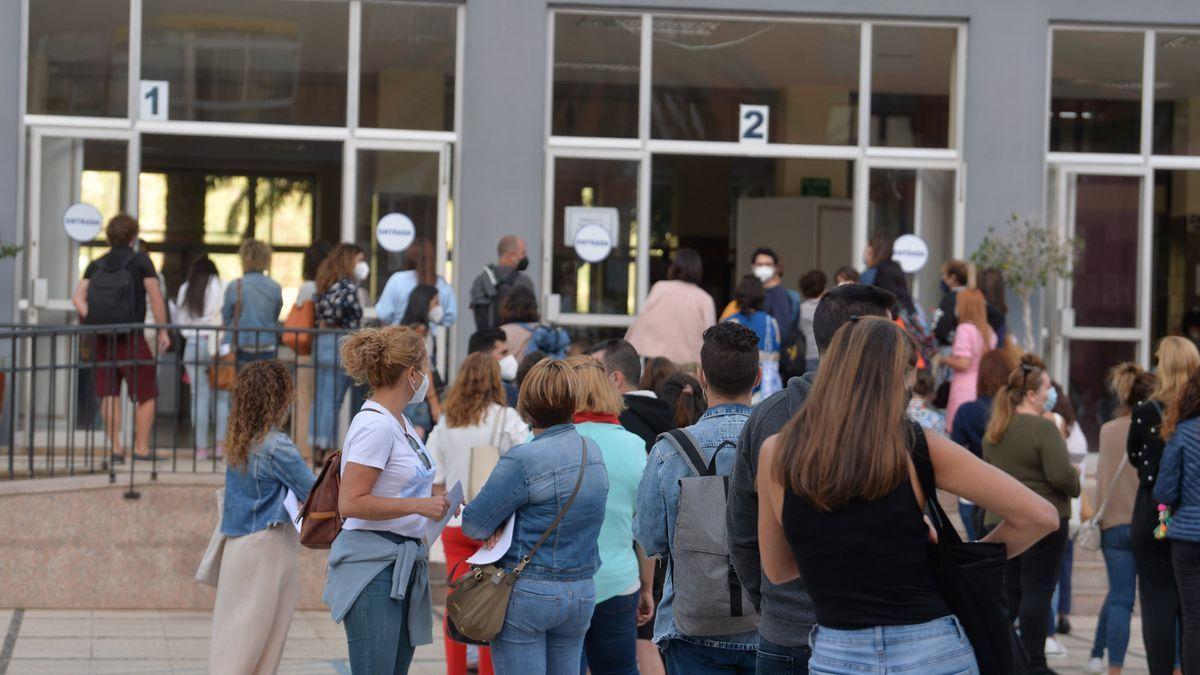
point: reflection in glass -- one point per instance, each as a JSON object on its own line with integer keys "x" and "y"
{"x": 1104, "y": 288}
{"x": 1093, "y": 403}
{"x": 394, "y": 182}
{"x": 912, "y": 86}
{"x": 1177, "y": 94}
{"x": 725, "y": 207}
{"x": 807, "y": 73}
{"x": 596, "y": 74}
{"x": 921, "y": 202}
{"x": 609, "y": 286}
{"x": 1096, "y": 91}
{"x": 1176, "y": 269}
{"x": 78, "y": 57}
{"x": 407, "y": 68}
{"x": 267, "y": 61}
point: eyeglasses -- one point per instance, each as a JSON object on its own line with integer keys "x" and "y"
{"x": 416, "y": 448}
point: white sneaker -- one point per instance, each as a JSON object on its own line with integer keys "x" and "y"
{"x": 1095, "y": 666}
{"x": 1055, "y": 649}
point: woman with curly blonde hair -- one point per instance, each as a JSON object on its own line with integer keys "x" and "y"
{"x": 259, "y": 580}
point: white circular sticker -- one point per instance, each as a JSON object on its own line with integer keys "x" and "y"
{"x": 911, "y": 252}
{"x": 82, "y": 221}
{"x": 592, "y": 243}
{"x": 395, "y": 232}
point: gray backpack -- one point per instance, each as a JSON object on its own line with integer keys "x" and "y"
{"x": 709, "y": 598}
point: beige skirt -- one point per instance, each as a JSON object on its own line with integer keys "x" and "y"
{"x": 257, "y": 592}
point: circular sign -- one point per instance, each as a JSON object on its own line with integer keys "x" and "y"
{"x": 911, "y": 252}
{"x": 593, "y": 243}
{"x": 82, "y": 221}
{"x": 395, "y": 232}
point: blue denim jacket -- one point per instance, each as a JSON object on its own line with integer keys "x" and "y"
{"x": 534, "y": 480}
{"x": 254, "y": 494}
{"x": 658, "y": 507}
{"x": 393, "y": 301}
{"x": 262, "y": 301}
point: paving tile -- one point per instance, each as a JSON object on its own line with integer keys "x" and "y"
{"x": 309, "y": 649}
{"x": 127, "y": 627}
{"x": 122, "y": 666}
{"x": 193, "y": 627}
{"x": 48, "y": 666}
{"x": 188, "y": 648}
{"x": 59, "y": 613}
{"x": 52, "y": 647}
{"x": 190, "y": 666}
{"x": 152, "y": 614}
{"x": 130, "y": 648}
{"x": 47, "y": 626}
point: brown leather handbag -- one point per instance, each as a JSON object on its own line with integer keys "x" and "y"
{"x": 223, "y": 373}
{"x": 320, "y": 521}
{"x": 478, "y": 601}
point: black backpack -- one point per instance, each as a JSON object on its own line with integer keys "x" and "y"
{"x": 487, "y": 309}
{"x": 111, "y": 293}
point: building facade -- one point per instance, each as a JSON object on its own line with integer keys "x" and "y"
{"x": 709, "y": 124}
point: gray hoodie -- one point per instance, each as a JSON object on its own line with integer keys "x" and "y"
{"x": 786, "y": 612}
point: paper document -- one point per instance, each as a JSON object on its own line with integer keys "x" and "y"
{"x": 455, "y": 495}
{"x": 486, "y": 556}
{"x": 293, "y": 508}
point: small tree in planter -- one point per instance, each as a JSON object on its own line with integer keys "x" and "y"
{"x": 1030, "y": 255}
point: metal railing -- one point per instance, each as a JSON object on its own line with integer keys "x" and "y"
{"x": 53, "y": 418}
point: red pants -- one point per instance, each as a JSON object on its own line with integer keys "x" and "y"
{"x": 458, "y": 548}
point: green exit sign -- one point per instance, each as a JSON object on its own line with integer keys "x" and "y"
{"x": 815, "y": 187}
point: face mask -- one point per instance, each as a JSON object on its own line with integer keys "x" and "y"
{"x": 764, "y": 272}
{"x": 436, "y": 314}
{"x": 523, "y": 264}
{"x": 362, "y": 270}
{"x": 419, "y": 393}
{"x": 1051, "y": 399}
{"x": 508, "y": 368}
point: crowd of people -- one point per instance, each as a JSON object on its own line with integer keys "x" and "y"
{"x": 753, "y": 490}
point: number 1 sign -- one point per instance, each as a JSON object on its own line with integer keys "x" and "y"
{"x": 154, "y": 100}
{"x": 752, "y": 123}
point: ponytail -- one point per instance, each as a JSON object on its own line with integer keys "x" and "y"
{"x": 1025, "y": 378}
{"x": 689, "y": 406}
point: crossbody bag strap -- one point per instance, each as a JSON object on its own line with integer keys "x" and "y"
{"x": 496, "y": 427}
{"x": 1111, "y": 484}
{"x": 562, "y": 512}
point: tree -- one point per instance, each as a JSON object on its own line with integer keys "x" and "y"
{"x": 1030, "y": 255}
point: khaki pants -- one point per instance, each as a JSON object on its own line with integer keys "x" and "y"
{"x": 257, "y": 592}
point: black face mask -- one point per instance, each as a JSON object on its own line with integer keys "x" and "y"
{"x": 522, "y": 264}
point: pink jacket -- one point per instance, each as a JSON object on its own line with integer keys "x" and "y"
{"x": 672, "y": 321}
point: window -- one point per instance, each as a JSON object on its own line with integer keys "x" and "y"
{"x": 912, "y": 86}
{"x": 407, "y": 67}
{"x": 596, "y": 75}
{"x": 78, "y": 57}
{"x": 1096, "y": 91}
{"x": 920, "y": 202}
{"x": 1104, "y": 289}
{"x": 1177, "y": 94}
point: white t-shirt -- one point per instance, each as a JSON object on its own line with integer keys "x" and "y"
{"x": 380, "y": 441}
{"x": 451, "y": 446}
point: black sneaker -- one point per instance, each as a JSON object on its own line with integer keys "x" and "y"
{"x": 1064, "y": 625}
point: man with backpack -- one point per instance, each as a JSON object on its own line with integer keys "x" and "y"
{"x": 113, "y": 291}
{"x": 705, "y": 621}
{"x": 787, "y": 611}
{"x": 496, "y": 280}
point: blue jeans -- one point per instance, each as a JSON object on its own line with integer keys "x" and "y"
{"x": 610, "y": 646}
{"x": 1112, "y": 628}
{"x": 776, "y": 659}
{"x": 544, "y": 627}
{"x": 196, "y": 361}
{"x": 689, "y": 658}
{"x": 246, "y": 358}
{"x": 932, "y": 648}
{"x": 967, "y": 513}
{"x": 331, "y": 385}
{"x": 375, "y": 629}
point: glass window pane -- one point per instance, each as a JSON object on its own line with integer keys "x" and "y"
{"x": 265, "y": 61}
{"x": 1176, "y": 266}
{"x": 1177, "y": 94}
{"x": 921, "y": 202}
{"x": 1104, "y": 289}
{"x": 1090, "y": 361}
{"x": 394, "y": 182}
{"x": 912, "y": 86}
{"x": 78, "y": 57}
{"x": 596, "y": 75}
{"x": 407, "y": 69}
{"x": 1096, "y": 92}
{"x": 609, "y": 286}
{"x": 807, "y": 73}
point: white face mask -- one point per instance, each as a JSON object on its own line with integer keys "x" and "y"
{"x": 436, "y": 314}
{"x": 764, "y": 272}
{"x": 362, "y": 270}
{"x": 508, "y": 368}
{"x": 419, "y": 393}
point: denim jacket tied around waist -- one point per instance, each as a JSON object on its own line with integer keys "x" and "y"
{"x": 254, "y": 493}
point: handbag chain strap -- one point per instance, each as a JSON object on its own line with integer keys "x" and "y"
{"x": 1111, "y": 484}
{"x": 557, "y": 519}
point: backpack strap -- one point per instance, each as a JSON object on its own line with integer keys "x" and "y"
{"x": 561, "y": 512}
{"x": 687, "y": 446}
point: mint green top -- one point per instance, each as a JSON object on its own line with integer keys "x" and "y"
{"x": 625, "y": 459}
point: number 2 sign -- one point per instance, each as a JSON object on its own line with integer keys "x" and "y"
{"x": 752, "y": 123}
{"x": 154, "y": 100}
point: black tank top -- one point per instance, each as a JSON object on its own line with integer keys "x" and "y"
{"x": 867, "y": 563}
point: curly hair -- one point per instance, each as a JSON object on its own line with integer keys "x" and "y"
{"x": 378, "y": 357}
{"x": 476, "y": 387}
{"x": 338, "y": 264}
{"x": 262, "y": 395}
{"x": 1185, "y": 406}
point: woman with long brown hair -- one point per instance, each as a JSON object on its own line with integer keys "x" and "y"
{"x": 419, "y": 268}
{"x": 972, "y": 338}
{"x": 475, "y": 420}
{"x": 1024, "y": 443}
{"x": 1178, "y": 359}
{"x": 259, "y": 580}
{"x": 971, "y": 420}
{"x": 337, "y": 308}
{"x": 842, "y": 507}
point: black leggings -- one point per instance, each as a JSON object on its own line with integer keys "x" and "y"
{"x": 1186, "y": 556}
{"x": 1156, "y": 586}
{"x": 1029, "y": 582}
